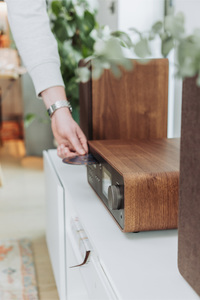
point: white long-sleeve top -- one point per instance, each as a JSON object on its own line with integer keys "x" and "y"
{"x": 35, "y": 42}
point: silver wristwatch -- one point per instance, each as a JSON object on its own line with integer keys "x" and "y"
{"x": 57, "y": 105}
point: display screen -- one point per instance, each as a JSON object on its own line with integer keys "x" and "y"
{"x": 106, "y": 182}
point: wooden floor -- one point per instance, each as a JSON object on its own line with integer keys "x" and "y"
{"x": 22, "y": 209}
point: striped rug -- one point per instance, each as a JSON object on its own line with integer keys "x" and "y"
{"x": 17, "y": 273}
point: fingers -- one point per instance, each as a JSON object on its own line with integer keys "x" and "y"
{"x": 61, "y": 151}
{"x": 82, "y": 139}
{"x": 79, "y": 142}
{"x": 77, "y": 146}
{"x": 68, "y": 134}
{"x": 64, "y": 151}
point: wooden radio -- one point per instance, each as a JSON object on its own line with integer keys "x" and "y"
{"x": 137, "y": 180}
{"x": 134, "y": 106}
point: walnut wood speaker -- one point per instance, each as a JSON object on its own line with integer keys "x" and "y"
{"x": 134, "y": 106}
{"x": 189, "y": 204}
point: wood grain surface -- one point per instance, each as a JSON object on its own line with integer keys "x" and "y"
{"x": 85, "y": 100}
{"x": 134, "y": 106}
{"x": 189, "y": 204}
{"x": 150, "y": 169}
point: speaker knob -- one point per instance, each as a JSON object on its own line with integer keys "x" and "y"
{"x": 114, "y": 197}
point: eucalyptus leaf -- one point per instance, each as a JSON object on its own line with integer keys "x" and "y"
{"x": 127, "y": 64}
{"x": 157, "y": 27}
{"x": 113, "y": 49}
{"x": 152, "y": 36}
{"x": 189, "y": 56}
{"x": 100, "y": 47}
{"x": 188, "y": 68}
{"x": 116, "y": 70}
{"x": 83, "y": 74}
{"x": 175, "y": 25}
{"x": 142, "y": 48}
{"x": 124, "y": 38}
{"x": 134, "y": 30}
{"x": 102, "y": 32}
{"x": 196, "y": 37}
{"x": 167, "y": 46}
{"x": 97, "y": 69}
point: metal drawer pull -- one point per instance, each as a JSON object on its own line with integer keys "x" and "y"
{"x": 87, "y": 254}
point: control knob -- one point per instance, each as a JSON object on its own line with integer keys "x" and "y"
{"x": 114, "y": 197}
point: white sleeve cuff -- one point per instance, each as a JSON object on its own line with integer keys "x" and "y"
{"x": 45, "y": 76}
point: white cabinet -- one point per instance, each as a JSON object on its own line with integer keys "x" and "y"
{"x": 87, "y": 281}
{"x": 55, "y": 219}
{"x": 64, "y": 245}
{"x": 123, "y": 266}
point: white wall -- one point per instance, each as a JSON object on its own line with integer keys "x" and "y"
{"x": 191, "y": 10}
{"x": 106, "y": 16}
{"x": 140, "y": 14}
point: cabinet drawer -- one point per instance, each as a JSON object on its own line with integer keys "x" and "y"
{"x": 55, "y": 228}
{"x": 93, "y": 276}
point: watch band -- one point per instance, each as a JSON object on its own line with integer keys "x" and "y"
{"x": 57, "y": 105}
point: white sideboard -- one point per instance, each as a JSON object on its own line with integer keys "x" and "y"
{"x": 124, "y": 266}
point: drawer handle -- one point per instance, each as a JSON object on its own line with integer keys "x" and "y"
{"x": 87, "y": 254}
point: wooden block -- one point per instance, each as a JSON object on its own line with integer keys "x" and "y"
{"x": 134, "y": 106}
{"x": 189, "y": 206}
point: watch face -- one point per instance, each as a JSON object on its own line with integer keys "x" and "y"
{"x": 87, "y": 159}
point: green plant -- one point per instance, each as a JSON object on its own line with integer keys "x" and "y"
{"x": 30, "y": 118}
{"x": 171, "y": 32}
{"x": 72, "y": 21}
{"x": 79, "y": 36}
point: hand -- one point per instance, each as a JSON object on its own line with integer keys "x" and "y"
{"x": 68, "y": 134}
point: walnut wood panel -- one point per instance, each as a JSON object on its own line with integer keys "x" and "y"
{"x": 85, "y": 99}
{"x": 150, "y": 169}
{"x": 134, "y": 106}
{"x": 189, "y": 204}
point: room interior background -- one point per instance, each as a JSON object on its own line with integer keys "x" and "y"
{"x": 118, "y": 15}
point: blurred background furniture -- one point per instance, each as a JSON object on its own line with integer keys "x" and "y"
{"x": 11, "y": 108}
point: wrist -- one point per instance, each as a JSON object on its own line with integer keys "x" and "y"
{"x": 53, "y": 94}
{"x": 61, "y": 104}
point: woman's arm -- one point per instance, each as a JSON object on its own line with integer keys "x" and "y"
{"x": 37, "y": 46}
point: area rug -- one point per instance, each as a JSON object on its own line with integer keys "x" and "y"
{"x": 17, "y": 273}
